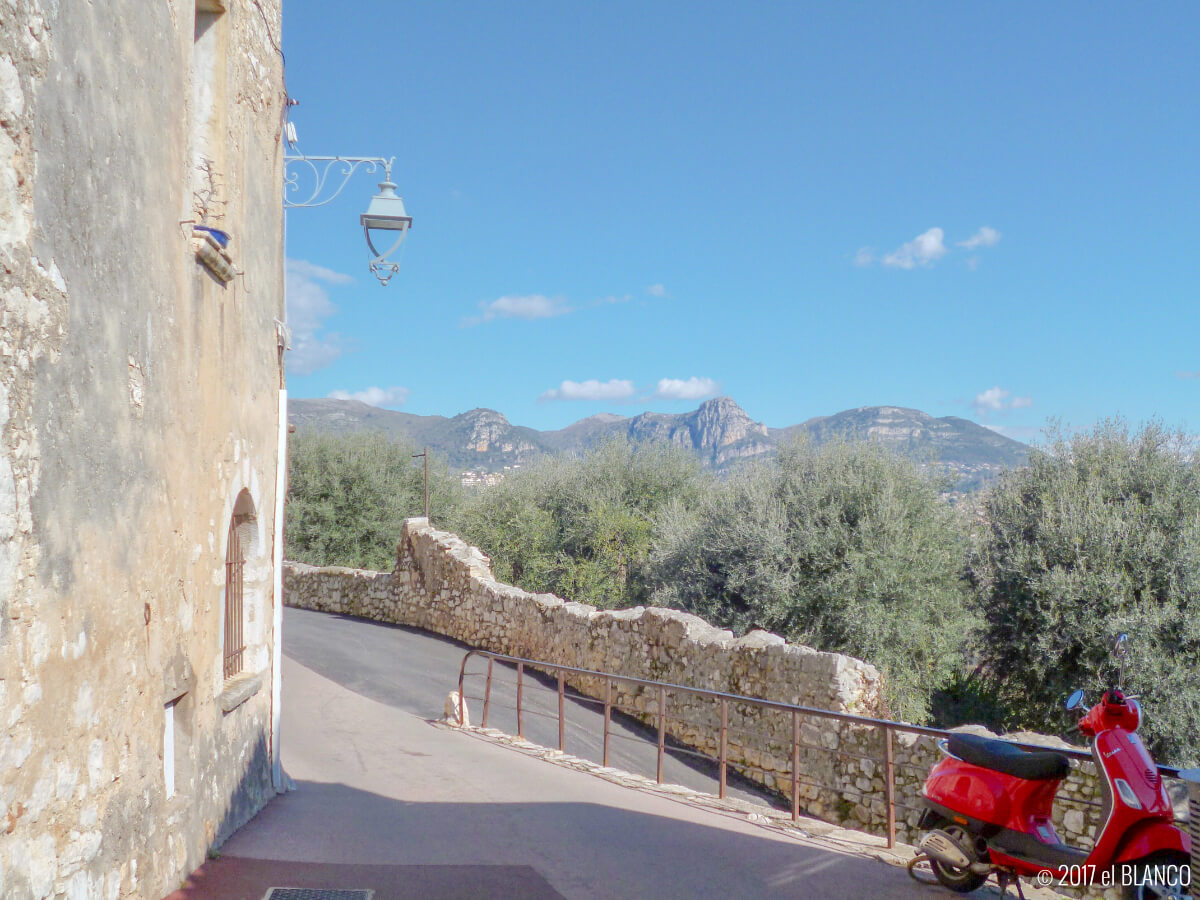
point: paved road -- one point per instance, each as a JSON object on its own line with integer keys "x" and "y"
{"x": 384, "y": 801}
{"x": 414, "y": 670}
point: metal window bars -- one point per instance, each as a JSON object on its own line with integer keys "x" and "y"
{"x": 886, "y": 729}
{"x": 235, "y": 563}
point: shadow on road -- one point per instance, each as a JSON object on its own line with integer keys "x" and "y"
{"x": 414, "y": 670}
{"x": 335, "y": 836}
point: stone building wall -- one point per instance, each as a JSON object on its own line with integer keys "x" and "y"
{"x": 443, "y": 585}
{"x": 139, "y": 402}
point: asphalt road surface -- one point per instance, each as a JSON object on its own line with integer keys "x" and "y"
{"x": 384, "y": 802}
{"x": 414, "y": 670}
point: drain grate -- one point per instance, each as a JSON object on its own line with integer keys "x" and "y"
{"x": 288, "y": 893}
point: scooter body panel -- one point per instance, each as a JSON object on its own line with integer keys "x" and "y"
{"x": 1014, "y": 814}
{"x": 992, "y": 797}
{"x": 1152, "y": 837}
{"x": 1131, "y": 781}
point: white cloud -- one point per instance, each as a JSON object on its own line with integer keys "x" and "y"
{"x": 308, "y": 306}
{"x": 997, "y": 399}
{"x": 923, "y": 250}
{"x": 592, "y": 389}
{"x": 690, "y": 389}
{"x": 375, "y": 396}
{"x": 984, "y": 237}
{"x": 864, "y": 257}
{"x": 1182, "y": 374}
{"x": 529, "y": 306}
{"x": 657, "y": 290}
{"x": 319, "y": 273}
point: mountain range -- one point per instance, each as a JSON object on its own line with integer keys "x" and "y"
{"x": 719, "y": 432}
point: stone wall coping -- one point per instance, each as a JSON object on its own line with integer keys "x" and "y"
{"x": 309, "y": 568}
{"x": 418, "y": 528}
{"x": 696, "y": 629}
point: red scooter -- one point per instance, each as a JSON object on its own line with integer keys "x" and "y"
{"x": 988, "y": 806}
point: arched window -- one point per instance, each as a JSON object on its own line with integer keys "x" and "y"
{"x": 241, "y": 535}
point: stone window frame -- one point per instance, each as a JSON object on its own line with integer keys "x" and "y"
{"x": 208, "y": 130}
{"x": 242, "y": 683}
{"x": 208, "y": 115}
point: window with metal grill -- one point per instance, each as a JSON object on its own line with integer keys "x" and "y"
{"x": 235, "y": 565}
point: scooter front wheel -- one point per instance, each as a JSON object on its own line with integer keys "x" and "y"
{"x": 961, "y": 880}
{"x": 1157, "y": 877}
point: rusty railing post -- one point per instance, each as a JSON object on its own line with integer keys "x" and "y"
{"x": 520, "y": 672}
{"x": 662, "y": 730}
{"x": 562, "y": 730}
{"x": 795, "y": 766}
{"x": 462, "y": 677}
{"x": 889, "y": 786}
{"x": 487, "y": 693}
{"x": 607, "y": 715}
{"x": 724, "y": 734}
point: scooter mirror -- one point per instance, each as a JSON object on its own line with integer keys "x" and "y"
{"x": 1075, "y": 701}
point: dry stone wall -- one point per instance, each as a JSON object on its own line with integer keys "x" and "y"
{"x": 443, "y": 585}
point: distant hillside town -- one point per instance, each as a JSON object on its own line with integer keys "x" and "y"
{"x": 471, "y": 479}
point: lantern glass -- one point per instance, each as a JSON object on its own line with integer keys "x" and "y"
{"x": 385, "y": 213}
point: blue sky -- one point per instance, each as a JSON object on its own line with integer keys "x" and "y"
{"x": 981, "y": 210}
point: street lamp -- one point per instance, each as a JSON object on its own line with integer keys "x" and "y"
{"x": 385, "y": 213}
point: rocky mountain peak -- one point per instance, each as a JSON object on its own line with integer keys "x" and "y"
{"x": 708, "y": 430}
{"x": 719, "y": 432}
{"x": 720, "y": 422}
{"x": 482, "y": 428}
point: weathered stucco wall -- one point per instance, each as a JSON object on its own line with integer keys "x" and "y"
{"x": 138, "y": 399}
{"x": 446, "y": 586}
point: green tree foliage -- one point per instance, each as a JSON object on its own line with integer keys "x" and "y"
{"x": 582, "y": 528}
{"x": 1099, "y": 534}
{"x": 348, "y": 496}
{"x": 844, "y": 547}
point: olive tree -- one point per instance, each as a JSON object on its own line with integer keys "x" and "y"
{"x": 348, "y": 496}
{"x": 845, "y": 547}
{"x": 581, "y": 527}
{"x": 1099, "y": 534}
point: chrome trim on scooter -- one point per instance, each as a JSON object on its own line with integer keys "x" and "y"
{"x": 944, "y": 746}
{"x": 942, "y": 847}
{"x": 1108, "y": 792}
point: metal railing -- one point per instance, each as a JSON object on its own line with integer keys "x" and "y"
{"x": 885, "y": 727}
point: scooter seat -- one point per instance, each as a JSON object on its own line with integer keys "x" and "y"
{"x": 1001, "y": 756}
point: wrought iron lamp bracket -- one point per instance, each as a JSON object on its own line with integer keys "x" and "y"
{"x": 321, "y": 167}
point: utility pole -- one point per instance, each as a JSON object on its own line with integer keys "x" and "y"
{"x": 425, "y": 455}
